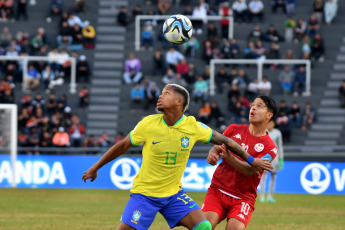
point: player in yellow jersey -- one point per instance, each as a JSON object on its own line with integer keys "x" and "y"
{"x": 168, "y": 139}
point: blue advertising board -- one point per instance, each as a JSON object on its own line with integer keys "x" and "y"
{"x": 66, "y": 171}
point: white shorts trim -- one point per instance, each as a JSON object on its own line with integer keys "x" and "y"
{"x": 226, "y": 193}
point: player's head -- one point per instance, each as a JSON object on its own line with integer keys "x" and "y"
{"x": 263, "y": 108}
{"x": 179, "y": 93}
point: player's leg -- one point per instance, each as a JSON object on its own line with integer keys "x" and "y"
{"x": 234, "y": 224}
{"x": 263, "y": 187}
{"x": 271, "y": 188}
{"x": 183, "y": 210}
{"x": 213, "y": 206}
{"x": 139, "y": 212}
{"x": 239, "y": 214}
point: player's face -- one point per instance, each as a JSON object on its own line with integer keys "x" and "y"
{"x": 258, "y": 112}
{"x": 167, "y": 99}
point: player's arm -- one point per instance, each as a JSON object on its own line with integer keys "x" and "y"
{"x": 257, "y": 163}
{"x": 114, "y": 152}
{"x": 240, "y": 166}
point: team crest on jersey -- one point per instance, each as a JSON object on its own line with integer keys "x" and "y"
{"x": 136, "y": 216}
{"x": 238, "y": 136}
{"x": 259, "y": 147}
{"x": 267, "y": 156}
{"x": 275, "y": 150}
{"x": 184, "y": 141}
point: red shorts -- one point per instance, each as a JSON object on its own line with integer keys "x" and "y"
{"x": 227, "y": 206}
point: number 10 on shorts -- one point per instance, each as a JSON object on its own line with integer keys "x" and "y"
{"x": 245, "y": 208}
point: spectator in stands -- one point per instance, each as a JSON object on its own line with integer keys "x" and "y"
{"x": 104, "y": 140}
{"x": 273, "y": 53}
{"x": 200, "y": 13}
{"x": 252, "y": 89}
{"x": 200, "y": 90}
{"x": 272, "y": 35}
{"x": 38, "y": 101}
{"x": 73, "y": 19}
{"x": 300, "y": 30}
{"x": 158, "y": 63}
{"x": 256, "y": 34}
{"x": 120, "y": 136}
{"x": 90, "y": 142}
{"x": 330, "y": 10}
{"x": 238, "y": 113}
{"x": 191, "y": 75}
{"x": 173, "y": 57}
{"x": 147, "y": 37}
{"x": 306, "y": 44}
{"x": 289, "y": 55}
{"x": 286, "y": 79}
{"x": 169, "y": 77}
{"x": 77, "y": 132}
{"x": 216, "y": 114}
{"x": 152, "y": 95}
{"x": 240, "y": 10}
{"x": 36, "y": 43}
{"x": 51, "y": 104}
{"x": 21, "y": 10}
{"x": 79, "y": 7}
{"x": 284, "y": 126}
{"x": 122, "y": 17}
{"x": 77, "y": 37}
{"x": 241, "y": 80}
{"x": 137, "y": 97}
{"x": 180, "y": 81}
{"x": 61, "y": 138}
{"x": 56, "y": 7}
{"x": 89, "y": 34}
{"x": 83, "y": 98}
{"x": 212, "y": 34}
{"x": 295, "y": 114}
{"x": 260, "y": 49}
{"x": 341, "y": 94}
{"x": 318, "y": 7}
{"x": 33, "y": 78}
{"x": 265, "y": 86}
{"x": 313, "y": 26}
{"x": 308, "y": 116}
{"x": 278, "y": 4}
{"x": 290, "y": 6}
{"x": 204, "y": 112}
{"x": 256, "y": 9}
{"x": 136, "y": 11}
{"x": 250, "y": 51}
{"x": 192, "y": 46}
{"x": 225, "y": 11}
{"x": 64, "y": 39}
{"x": 289, "y": 26}
{"x": 318, "y": 48}
{"x": 283, "y": 108}
{"x": 132, "y": 72}
{"x": 5, "y": 37}
{"x": 62, "y": 103}
{"x": 300, "y": 81}
{"x": 45, "y": 140}
{"x": 207, "y": 52}
{"x": 163, "y": 6}
{"x": 221, "y": 78}
{"x": 83, "y": 69}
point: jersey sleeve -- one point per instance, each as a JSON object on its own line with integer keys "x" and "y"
{"x": 203, "y": 132}
{"x": 228, "y": 131}
{"x": 138, "y": 134}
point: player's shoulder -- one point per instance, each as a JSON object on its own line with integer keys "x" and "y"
{"x": 238, "y": 127}
{"x": 152, "y": 117}
{"x": 269, "y": 145}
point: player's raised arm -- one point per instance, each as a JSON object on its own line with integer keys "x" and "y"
{"x": 114, "y": 152}
{"x": 257, "y": 163}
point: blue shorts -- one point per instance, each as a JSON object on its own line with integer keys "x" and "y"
{"x": 141, "y": 210}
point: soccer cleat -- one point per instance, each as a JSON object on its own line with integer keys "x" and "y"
{"x": 262, "y": 200}
{"x": 271, "y": 200}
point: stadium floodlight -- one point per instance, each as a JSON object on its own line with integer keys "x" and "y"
{"x": 8, "y": 134}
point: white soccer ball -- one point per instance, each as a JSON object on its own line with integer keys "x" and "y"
{"x": 177, "y": 29}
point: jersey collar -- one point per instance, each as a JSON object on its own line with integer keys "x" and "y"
{"x": 176, "y": 123}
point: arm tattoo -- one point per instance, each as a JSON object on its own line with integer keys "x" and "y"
{"x": 232, "y": 145}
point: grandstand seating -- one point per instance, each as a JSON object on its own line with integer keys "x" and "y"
{"x": 109, "y": 109}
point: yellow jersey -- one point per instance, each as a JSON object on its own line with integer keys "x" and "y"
{"x": 165, "y": 152}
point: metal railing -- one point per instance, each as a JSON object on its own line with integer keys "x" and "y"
{"x": 160, "y": 17}
{"x": 26, "y": 60}
{"x": 259, "y": 64}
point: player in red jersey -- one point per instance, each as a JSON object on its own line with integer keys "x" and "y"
{"x": 233, "y": 188}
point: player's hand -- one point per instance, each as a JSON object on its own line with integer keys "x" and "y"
{"x": 261, "y": 164}
{"x": 90, "y": 174}
{"x": 213, "y": 155}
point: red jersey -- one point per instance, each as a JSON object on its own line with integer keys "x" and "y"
{"x": 228, "y": 179}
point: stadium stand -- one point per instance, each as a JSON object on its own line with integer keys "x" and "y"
{"x": 109, "y": 99}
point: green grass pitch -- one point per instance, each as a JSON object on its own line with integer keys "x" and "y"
{"x": 102, "y": 209}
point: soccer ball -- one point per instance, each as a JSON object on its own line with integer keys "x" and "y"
{"x": 177, "y": 29}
